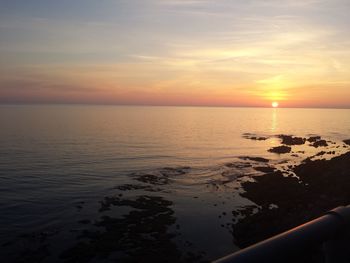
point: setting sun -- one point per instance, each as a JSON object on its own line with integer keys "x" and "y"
{"x": 274, "y": 104}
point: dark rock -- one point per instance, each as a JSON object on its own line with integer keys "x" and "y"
{"x": 34, "y": 255}
{"x": 235, "y": 213}
{"x": 323, "y": 185}
{"x": 265, "y": 169}
{"x": 8, "y": 243}
{"x": 320, "y": 143}
{"x": 84, "y": 221}
{"x": 347, "y": 142}
{"x": 280, "y": 149}
{"x": 130, "y": 187}
{"x": 314, "y": 138}
{"x": 290, "y": 140}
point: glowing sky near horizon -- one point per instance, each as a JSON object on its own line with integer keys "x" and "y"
{"x": 173, "y": 52}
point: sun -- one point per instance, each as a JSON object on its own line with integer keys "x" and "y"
{"x": 274, "y": 104}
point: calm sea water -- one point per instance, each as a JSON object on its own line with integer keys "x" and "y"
{"x": 58, "y": 162}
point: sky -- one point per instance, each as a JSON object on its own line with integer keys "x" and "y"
{"x": 176, "y": 52}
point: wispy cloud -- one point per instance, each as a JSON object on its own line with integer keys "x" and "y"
{"x": 253, "y": 50}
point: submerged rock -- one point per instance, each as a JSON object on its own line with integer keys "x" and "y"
{"x": 254, "y": 137}
{"x": 347, "y": 142}
{"x": 142, "y": 235}
{"x": 170, "y": 171}
{"x": 265, "y": 169}
{"x": 255, "y": 159}
{"x": 161, "y": 177}
{"x": 152, "y": 179}
{"x": 238, "y": 165}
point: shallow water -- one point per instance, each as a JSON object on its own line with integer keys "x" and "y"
{"x": 57, "y": 163}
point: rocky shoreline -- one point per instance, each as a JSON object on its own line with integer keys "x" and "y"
{"x": 288, "y": 201}
{"x": 137, "y": 221}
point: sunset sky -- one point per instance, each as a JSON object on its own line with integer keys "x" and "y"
{"x": 176, "y": 52}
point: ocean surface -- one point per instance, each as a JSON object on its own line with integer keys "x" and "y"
{"x": 64, "y": 170}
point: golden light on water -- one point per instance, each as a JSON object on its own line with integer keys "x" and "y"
{"x": 274, "y": 104}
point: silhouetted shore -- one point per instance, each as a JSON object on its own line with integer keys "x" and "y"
{"x": 138, "y": 220}
{"x": 286, "y": 202}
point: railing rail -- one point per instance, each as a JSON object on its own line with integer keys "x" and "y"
{"x": 298, "y": 241}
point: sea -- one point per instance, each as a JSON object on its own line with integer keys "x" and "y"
{"x": 75, "y": 180}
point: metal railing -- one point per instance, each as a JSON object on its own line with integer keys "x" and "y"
{"x": 327, "y": 230}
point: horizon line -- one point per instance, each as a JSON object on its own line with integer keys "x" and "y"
{"x": 158, "y": 105}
